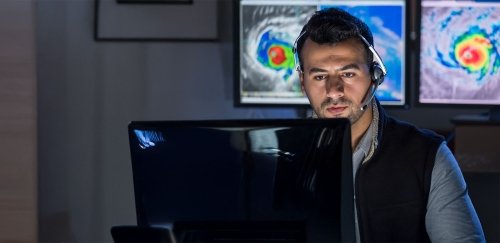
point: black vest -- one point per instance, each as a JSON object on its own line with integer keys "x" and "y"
{"x": 393, "y": 186}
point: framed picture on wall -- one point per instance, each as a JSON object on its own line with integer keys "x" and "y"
{"x": 190, "y": 20}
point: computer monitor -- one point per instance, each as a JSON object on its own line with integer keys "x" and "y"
{"x": 287, "y": 180}
{"x": 460, "y": 54}
{"x": 266, "y": 31}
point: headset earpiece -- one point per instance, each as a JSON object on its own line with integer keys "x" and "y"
{"x": 377, "y": 69}
{"x": 377, "y": 73}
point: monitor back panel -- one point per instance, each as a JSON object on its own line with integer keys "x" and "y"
{"x": 213, "y": 176}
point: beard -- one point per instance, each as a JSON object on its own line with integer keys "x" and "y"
{"x": 354, "y": 112}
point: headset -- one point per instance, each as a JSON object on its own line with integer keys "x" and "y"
{"x": 378, "y": 71}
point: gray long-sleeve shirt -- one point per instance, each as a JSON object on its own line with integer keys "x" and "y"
{"x": 450, "y": 214}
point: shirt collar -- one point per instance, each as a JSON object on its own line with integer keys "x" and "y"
{"x": 366, "y": 141}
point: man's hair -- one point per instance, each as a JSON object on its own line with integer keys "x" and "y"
{"x": 333, "y": 25}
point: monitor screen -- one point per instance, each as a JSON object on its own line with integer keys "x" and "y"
{"x": 459, "y": 53}
{"x": 273, "y": 179}
{"x": 267, "y": 29}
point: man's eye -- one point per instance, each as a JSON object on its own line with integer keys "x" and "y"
{"x": 319, "y": 77}
{"x": 348, "y": 75}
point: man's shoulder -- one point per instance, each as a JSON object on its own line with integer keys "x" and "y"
{"x": 408, "y": 129}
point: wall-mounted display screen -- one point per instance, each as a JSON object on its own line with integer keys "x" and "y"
{"x": 459, "y": 52}
{"x": 267, "y": 30}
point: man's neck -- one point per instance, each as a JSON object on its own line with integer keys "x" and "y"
{"x": 359, "y": 128}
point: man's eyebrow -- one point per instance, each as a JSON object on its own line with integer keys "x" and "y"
{"x": 317, "y": 70}
{"x": 350, "y": 66}
{"x": 346, "y": 67}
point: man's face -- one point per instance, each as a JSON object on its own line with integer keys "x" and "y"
{"x": 335, "y": 78}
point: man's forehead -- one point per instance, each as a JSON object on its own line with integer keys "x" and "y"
{"x": 343, "y": 52}
{"x": 352, "y": 42}
{"x": 338, "y": 58}
{"x": 348, "y": 47}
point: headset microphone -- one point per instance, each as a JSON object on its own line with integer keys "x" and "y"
{"x": 369, "y": 98}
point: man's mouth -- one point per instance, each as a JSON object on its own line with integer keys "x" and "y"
{"x": 336, "y": 110}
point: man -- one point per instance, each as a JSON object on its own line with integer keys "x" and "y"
{"x": 408, "y": 186}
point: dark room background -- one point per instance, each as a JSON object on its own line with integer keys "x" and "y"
{"x": 88, "y": 91}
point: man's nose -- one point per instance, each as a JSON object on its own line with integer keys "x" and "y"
{"x": 334, "y": 88}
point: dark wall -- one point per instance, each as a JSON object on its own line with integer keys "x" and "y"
{"x": 89, "y": 91}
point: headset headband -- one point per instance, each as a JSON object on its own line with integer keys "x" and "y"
{"x": 375, "y": 54}
{"x": 295, "y": 52}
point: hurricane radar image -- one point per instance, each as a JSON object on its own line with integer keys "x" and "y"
{"x": 276, "y": 54}
{"x": 267, "y": 60}
{"x": 460, "y": 53}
